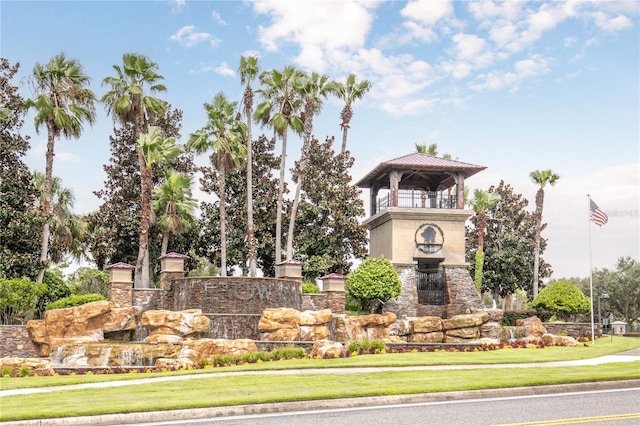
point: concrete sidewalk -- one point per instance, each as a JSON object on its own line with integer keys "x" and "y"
{"x": 193, "y": 414}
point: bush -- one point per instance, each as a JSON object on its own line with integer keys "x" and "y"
{"x": 510, "y": 318}
{"x": 18, "y": 297}
{"x": 563, "y": 299}
{"x": 76, "y": 300}
{"x": 373, "y": 283}
{"x": 310, "y": 288}
{"x": 366, "y": 346}
{"x": 89, "y": 281}
{"x": 56, "y": 289}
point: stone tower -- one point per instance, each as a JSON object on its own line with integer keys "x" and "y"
{"x": 417, "y": 222}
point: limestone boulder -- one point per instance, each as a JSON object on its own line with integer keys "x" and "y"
{"x": 173, "y": 364}
{"x": 327, "y": 349}
{"x": 289, "y": 316}
{"x": 208, "y": 348}
{"x": 30, "y": 366}
{"x": 348, "y": 330}
{"x": 118, "y": 319}
{"x": 320, "y": 317}
{"x": 471, "y": 333}
{"x": 465, "y": 320}
{"x": 553, "y": 340}
{"x": 434, "y": 337}
{"x": 283, "y": 335}
{"x": 171, "y": 339}
{"x": 427, "y": 324}
{"x": 311, "y": 333}
{"x": 495, "y": 314}
{"x": 491, "y": 330}
{"x": 179, "y": 323}
{"x": 533, "y": 327}
{"x": 375, "y": 320}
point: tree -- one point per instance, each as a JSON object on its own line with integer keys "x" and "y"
{"x": 430, "y": 150}
{"x": 128, "y": 103}
{"x": 265, "y": 184}
{"x": 67, "y": 228}
{"x": 63, "y": 104}
{"x": 18, "y": 297}
{"x": 55, "y": 289}
{"x": 20, "y": 225}
{"x": 563, "y": 299}
{"x": 622, "y": 287}
{"x": 541, "y": 178}
{"x": 173, "y": 202}
{"x": 482, "y": 201}
{"x": 280, "y": 110}
{"x": 330, "y": 235}
{"x": 373, "y": 283}
{"x": 224, "y": 136}
{"x": 314, "y": 88}
{"x": 508, "y": 245}
{"x": 86, "y": 280}
{"x": 249, "y": 70}
{"x": 349, "y": 92}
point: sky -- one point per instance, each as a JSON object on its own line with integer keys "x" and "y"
{"x": 514, "y": 86}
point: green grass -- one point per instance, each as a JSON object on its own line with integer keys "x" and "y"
{"x": 259, "y": 388}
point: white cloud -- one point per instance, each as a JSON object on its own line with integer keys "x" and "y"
{"x": 178, "y": 5}
{"x": 611, "y": 24}
{"x": 428, "y": 12}
{"x": 187, "y": 36}
{"x": 224, "y": 70}
{"x": 218, "y": 18}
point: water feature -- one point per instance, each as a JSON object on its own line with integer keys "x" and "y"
{"x": 112, "y": 354}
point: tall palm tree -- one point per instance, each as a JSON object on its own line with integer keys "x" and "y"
{"x": 481, "y": 202}
{"x": 540, "y": 178}
{"x": 314, "y": 89}
{"x": 155, "y": 149}
{"x": 63, "y": 104}
{"x": 129, "y": 102}
{"x": 173, "y": 203}
{"x": 280, "y": 110}
{"x": 224, "y": 136}
{"x": 249, "y": 70}
{"x": 67, "y": 229}
{"x": 349, "y": 92}
{"x": 432, "y": 149}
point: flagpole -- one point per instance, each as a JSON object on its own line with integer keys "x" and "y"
{"x": 593, "y": 339}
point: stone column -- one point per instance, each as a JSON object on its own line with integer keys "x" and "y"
{"x": 333, "y": 287}
{"x": 171, "y": 267}
{"x": 405, "y": 305}
{"x": 121, "y": 284}
{"x": 462, "y": 294}
{"x": 291, "y": 269}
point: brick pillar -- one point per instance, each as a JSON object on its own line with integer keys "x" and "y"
{"x": 171, "y": 267}
{"x": 333, "y": 287}
{"x": 120, "y": 284}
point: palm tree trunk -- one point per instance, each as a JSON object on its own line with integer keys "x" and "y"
{"x": 536, "y": 249}
{"x": 251, "y": 238}
{"x": 283, "y": 160}
{"x": 48, "y": 180}
{"x": 223, "y": 222}
{"x": 345, "y": 128}
{"x": 142, "y": 263}
{"x": 165, "y": 243}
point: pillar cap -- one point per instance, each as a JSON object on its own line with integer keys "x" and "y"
{"x": 121, "y": 265}
{"x": 333, "y": 276}
{"x": 174, "y": 255}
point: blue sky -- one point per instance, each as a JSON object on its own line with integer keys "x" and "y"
{"x": 514, "y": 86}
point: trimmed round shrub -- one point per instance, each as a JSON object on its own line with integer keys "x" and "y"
{"x": 310, "y": 288}
{"x": 76, "y": 300}
{"x": 563, "y": 299}
{"x": 373, "y": 283}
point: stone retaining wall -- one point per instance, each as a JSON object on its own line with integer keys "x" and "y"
{"x": 573, "y": 329}
{"x": 333, "y": 300}
{"x": 16, "y": 342}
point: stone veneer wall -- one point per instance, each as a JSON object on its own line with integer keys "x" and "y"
{"x": 120, "y": 294}
{"x": 17, "y": 343}
{"x": 462, "y": 295}
{"x": 333, "y": 300}
{"x": 235, "y": 326}
{"x": 573, "y": 329}
{"x": 233, "y": 295}
{"x": 148, "y": 298}
{"x": 406, "y": 304}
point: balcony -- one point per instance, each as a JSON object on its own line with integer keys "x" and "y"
{"x": 419, "y": 200}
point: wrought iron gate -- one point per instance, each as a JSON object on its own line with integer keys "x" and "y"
{"x": 430, "y": 287}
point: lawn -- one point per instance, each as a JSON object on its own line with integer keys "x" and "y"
{"x": 208, "y": 391}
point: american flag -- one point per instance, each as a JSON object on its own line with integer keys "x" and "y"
{"x": 598, "y": 216}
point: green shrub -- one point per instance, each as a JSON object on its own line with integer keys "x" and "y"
{"x": 510, "y": 318}
{"x": 310, "y": 288}
{"x": 76, "y": 300}
{"x": 89, "y": 281}
{"x": 288, "y": 352}
{"x": 373, "y": 283}
{"x": 366, "y": 346}
{"x": 56, "y": 289}
{"x": 18, "y": 297}
{"x": 564, "y": 299}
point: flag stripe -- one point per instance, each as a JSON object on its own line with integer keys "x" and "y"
{"x": 598, "y": 216}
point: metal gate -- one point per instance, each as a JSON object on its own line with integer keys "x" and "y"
{"x": 430, "y": 287}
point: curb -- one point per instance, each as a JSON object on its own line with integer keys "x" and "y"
{"x": 280, "y": 407}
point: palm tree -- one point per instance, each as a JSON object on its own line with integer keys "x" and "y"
{"x": 248, "y": 72}
{"x": 224, "y": 135}
{"x": 128, "y": 103}
{"x": 154, "y": 149}
{"x": 430, "y": 150}
{"x": 482, "y": 201}
{"x": 280, "y": 109}
{"x": 63, "y": 104}
{"x": 315, "y": 88}
{"x": 541, "y": 178}
{"x": 67, "y": 229}
{"x": 349, "y": 92}
{"x": 173, "y": 203}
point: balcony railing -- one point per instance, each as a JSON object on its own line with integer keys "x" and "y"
{"x": 419, "y": 199}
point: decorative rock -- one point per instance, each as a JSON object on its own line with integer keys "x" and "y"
{"x": 552, "y": 340}
{"x": 283, "y": 335}
{"x": 495, "y": 314}
{"x": 207, "y": 348}
{"x": 464, "y": 333}
{"x": 491, "y": 329}
{"x": 435, "y": 337}
{"x": 163, "y": 338}
{"x": 313, "y": 333}
{"x": 173, "y": 364}
{"x": 327, "y": 349}
{"x": 427, "y": 324}
{"x": 466, "y": 320}
{"x": 323, "y": 316}
{"x": 179, "y": 323}
{"x": 533, "y": 327}
{"x": 282, "y": 316}
{"x": 35, "y": 366}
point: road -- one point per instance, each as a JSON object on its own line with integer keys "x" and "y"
{"x": 617, "y": 407}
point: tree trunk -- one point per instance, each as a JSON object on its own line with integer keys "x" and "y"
{"x": 46, "y": 208}
{"x": 344, "y": 138}
{"x": 536, "y": 249}
{"x": 142, "y": 263}
{"x": 283, "y": 161}
{"x": 165, "y": 243}
{"x": 223, "y": 222}
{"x": 251, "y": 238}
